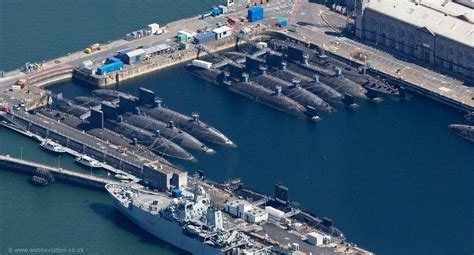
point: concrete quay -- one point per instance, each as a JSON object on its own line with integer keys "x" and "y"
{"x": 414, "y": 78}
{"x": 60, "y": 174}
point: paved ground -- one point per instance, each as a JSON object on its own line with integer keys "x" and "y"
{"x": 318, "y": 24}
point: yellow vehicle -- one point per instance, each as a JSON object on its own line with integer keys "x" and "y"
{"x": 92, "y": 48}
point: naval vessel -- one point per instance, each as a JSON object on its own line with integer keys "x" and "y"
{"x": 465, "y": 131}
{"x": 255, "y": 92}
{"x": 314, "y": 85}
{"x": 193, "y": 125}
{"x": 167, "y": 130}
{"x": 294, "y": 91}
{"x": 188, "y": 222}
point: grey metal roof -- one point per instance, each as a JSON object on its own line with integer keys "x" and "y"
{"x": 429, "y": 14}
{"x": 158, "y": 47}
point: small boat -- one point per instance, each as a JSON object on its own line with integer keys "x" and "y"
{"x": 52, "y": 146}
{"x": 122, "y": 176}
{"x": 88, "y": 161}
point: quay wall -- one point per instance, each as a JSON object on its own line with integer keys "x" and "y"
{"x": 459, "y": 105}
{"x": 74, "y": 144}
{"x": 59, "y": 174}
{"x": 158, "y": 63}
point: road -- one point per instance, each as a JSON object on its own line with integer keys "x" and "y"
{"x": 317, "y": 24}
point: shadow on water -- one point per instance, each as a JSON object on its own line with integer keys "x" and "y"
{"x": 109, "y": 213}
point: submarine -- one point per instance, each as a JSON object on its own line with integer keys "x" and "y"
{"x": 336, "y": 80}
{"x": 294, "y": 91}
{"x": 312, "y": 85}
{"x": 465, "y": 131}
{"x": 241, "y": 85}
{"x": 156, "y": 143}
{"x": 168, "y": 130}
{"x": 101, "y": 133}
{"x": 88, "y": 102}
{"x": 153, "y": 108}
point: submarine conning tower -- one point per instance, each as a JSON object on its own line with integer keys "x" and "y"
{"x": 109, "y": 110}
{"x": 274, "y": 60}
{"x": 127, "y": 103}
{"x": 252, "y": 64}
{"x": 146, "y": 97}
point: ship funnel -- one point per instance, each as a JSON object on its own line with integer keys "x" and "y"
{"x": 278, "y": 89}
{"x": 262, "y": 70}
{"x": 296, "y": 82}
{"x": 195, "y": 116}
{"x": 316, "y": 78}
{"x": 157, "y": 103}
{"x": 283, "y": 66}
{"x": 305, "y": 59}
{"x": 338, "y": 71}
{"x": 244, "y": 77}
{"x": 157, "y": 133}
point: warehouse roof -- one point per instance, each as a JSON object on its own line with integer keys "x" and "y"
{"x": 432, "y": 14}
{"x": 134, "y": 53}
{"x": 157, "y": 48}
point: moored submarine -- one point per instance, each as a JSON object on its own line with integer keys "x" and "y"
{"x": 154, "y": 109}
{"x": 294, "y": 91}
{"x": 465, "y": 131}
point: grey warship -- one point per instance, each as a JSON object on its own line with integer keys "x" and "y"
{"x": 188, "y": 222}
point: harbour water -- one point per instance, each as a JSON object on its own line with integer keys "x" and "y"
{"x": 394, "y": 178}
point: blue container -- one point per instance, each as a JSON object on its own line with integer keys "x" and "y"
{"x": 205, "y": 37}
{"x": 124, "y": 51}
{"x": 216, "y": 12}
{"x": 111, "y": 60}
{"x": 282, "y": 22}
{"x": 176, "y": 193}
{"x": 108, "y": 68}
{"x": 255, "y": 14}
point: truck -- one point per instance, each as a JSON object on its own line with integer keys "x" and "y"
{"x": 92, "y": 48}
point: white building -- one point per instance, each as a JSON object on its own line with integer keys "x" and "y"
{"x": 222, "y": 32}
{"x": 238, "y": 207}
{"x": 317, "y": 239}
{"x": 256, "y": 215}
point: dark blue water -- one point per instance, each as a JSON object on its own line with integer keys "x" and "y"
{"x": 391, "y": 175}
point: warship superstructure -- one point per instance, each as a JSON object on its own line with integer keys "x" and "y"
{"x": 188, "y": 222}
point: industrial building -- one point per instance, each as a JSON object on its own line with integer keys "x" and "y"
{"x": 163, "y": 177}
{"x": 436, "y": 32}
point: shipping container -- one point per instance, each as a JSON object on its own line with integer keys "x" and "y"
{"x": 216, "y": 12}
{"x": 154, "y": 28}
{"x": 282, "y": 22}
{"x": 205, "y": 37}
{"x": 181, "y": 38}
{"x": 111, "y": 60}
{"x": 158, "y": 49}
{"x": 222, "y": 32}
{"x": 109, "y": 68}
{"x": 255, "y": 14}
{"x": 201, "y": 64}
{"x": 223, "y": 9}
{"x": 233, "y": 21}
{"x": 133, "y": 56}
